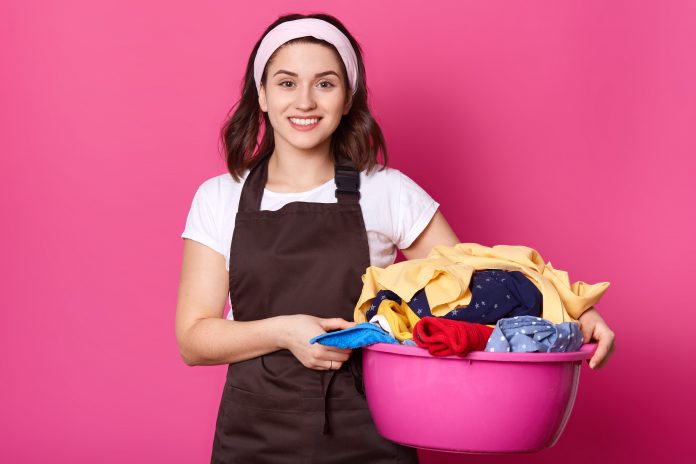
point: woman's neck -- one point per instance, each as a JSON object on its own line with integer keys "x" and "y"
{"x": 298, "y": 171}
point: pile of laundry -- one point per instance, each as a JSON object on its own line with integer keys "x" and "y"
{"x": 469, "y": 297}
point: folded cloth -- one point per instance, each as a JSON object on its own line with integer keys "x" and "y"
{"x": 446, "y": 273}
{"x": 363, "y": 334}
{"x": 445, "y": 337}
{"x": 534, "y": 334}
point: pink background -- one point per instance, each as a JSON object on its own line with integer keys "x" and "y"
{"x": 565, "y": 126}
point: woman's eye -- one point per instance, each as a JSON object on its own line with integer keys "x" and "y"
{"x": 282, "y": 84}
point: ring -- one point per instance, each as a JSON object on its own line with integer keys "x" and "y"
{"x": 331, "y": 361}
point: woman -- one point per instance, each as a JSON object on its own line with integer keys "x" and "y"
{"x": 308, "y": 211}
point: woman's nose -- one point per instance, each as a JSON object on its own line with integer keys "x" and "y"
{"x": 305, "y": 98}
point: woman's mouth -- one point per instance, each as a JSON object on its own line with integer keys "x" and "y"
{"x": 304, "y": 124}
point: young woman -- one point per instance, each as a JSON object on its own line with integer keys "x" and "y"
{"x": 287, "y": 233}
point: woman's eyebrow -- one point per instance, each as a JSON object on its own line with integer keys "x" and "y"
{"x": 325, "y": 73}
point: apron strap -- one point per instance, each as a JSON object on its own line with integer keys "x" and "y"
{"x": 252, "y": 191}
{"x": 346, "y": 178}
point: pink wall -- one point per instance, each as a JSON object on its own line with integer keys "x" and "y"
{"x": 566, "y": 126}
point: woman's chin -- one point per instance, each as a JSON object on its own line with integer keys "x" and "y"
{"x": 309, "y": 143}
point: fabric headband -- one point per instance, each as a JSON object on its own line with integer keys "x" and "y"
{"x": 304, "y": 27}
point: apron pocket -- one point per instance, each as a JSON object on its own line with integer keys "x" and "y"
{"x": 249, "y": 433}
{"x": 259, "y": 401}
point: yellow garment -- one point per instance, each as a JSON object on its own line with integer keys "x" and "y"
{"x": 446, "y": 272}
{"x": 400, "y": 317}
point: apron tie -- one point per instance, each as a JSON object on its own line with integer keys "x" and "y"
{"x": 326, "y": 401}
{"x": 355, "y": 364}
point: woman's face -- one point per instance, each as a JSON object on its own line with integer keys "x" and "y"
{"x": 304, "y": 80}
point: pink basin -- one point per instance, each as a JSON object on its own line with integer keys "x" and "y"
{"x": 481, "y": 403}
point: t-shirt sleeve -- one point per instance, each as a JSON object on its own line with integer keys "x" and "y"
{"x": 201, "y": 223}
{"x": 415, "y": 210}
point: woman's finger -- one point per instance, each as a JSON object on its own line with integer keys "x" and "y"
{"x": 335, "y": 323}
{"x": 322, "y": 358}
{"x": 604, "y": 344}
{"x": 610, "y": 352}
{"x": 608, "y": 338}
{"x": 338, "y": 350}
{"x": 340, "y": 357}
{"x": 332, "y": 365}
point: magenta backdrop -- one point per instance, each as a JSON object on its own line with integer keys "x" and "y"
{"x": 567, "y": 126}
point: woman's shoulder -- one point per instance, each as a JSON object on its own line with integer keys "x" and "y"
{"x": 392, "y": 184}
{"x": 380, "y": 177}
{"x": 222, "y": 184}
{"x": 221, "y": 192}
{"x": 390, "y": 181}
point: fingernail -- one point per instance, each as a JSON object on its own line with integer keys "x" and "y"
{"x": 592, "y": 365}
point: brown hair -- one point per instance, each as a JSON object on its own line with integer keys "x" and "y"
{"x": 357, "y": 137}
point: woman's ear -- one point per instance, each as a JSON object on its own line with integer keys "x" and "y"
{"x": 349, "y": 103}
{"x": 262, "y": 99}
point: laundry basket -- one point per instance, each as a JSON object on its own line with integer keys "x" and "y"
{"x": 480, "y": 403}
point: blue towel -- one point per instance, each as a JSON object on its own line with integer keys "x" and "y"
{"x": 534, "y": 334}
{"x": 363, "y": 334}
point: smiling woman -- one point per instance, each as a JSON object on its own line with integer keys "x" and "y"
{"x": 286, "y": 234}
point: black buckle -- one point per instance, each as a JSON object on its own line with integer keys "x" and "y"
{"x": 347, "y": 180}
{"x": 350, "y": 192}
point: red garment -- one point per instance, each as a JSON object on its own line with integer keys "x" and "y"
{"x": 445, "y": 337}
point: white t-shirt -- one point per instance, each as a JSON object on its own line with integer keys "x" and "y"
{"x": 394, "y": 207}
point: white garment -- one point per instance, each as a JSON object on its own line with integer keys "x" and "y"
{"x": 382, "y": 321}
{"x": 395, "y": 210}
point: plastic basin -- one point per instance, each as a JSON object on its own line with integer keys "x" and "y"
{"x": 480, "y": 403}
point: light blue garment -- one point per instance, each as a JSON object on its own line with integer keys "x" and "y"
{"x": 360, "y": 335}
{"x": 534, "y": 334}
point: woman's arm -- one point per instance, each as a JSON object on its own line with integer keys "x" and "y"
{"x": 206, "y": 338}
{"x": 437, "y": 232}
{"x": 203, "y": 335}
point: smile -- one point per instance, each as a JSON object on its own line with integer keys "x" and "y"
{"x": 304, "y": 124}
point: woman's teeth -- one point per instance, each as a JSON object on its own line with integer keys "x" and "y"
{"x": 304, "y": 122}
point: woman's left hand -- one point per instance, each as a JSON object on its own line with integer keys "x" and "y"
{"x": 595, "y": 329}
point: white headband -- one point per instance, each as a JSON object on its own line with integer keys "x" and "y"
{"x": 304, "y": 27}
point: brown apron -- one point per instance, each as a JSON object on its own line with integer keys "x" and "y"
{"x": 305, "y": 258}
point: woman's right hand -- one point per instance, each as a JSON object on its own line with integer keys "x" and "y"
{"x": 300, "y": 328}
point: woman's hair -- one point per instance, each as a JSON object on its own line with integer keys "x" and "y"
{"x": 358, "y": 136}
